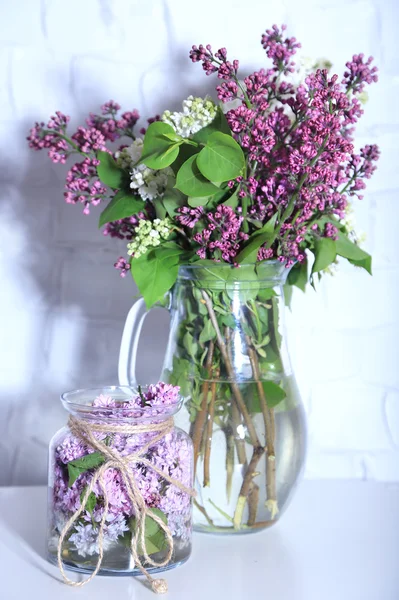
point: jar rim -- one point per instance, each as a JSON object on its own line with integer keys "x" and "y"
{"x": 199, "y": 264}
{"x": 79, "y": 403}
{"x": 268, "y": 272}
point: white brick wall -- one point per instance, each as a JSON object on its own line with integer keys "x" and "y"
{"x": 62, "y": 306}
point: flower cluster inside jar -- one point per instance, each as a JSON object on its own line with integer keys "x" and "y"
{"x": 172, "y": 454}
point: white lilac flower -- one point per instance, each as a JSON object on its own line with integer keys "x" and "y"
{"x": 196, "y": 114}
{"x": 149, "y": 234}
{"x": 149, "y": 184}
{"x": 116, "y": 526}
{"x": 350, "y": 225}
{"x": 85, "y": 540}
{"x": 85, "y": 537}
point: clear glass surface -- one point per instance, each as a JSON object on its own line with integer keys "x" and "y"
{"x": 173, "y": 453}
{"x": 228, "y": 351}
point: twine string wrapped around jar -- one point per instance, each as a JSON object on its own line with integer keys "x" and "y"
{"x": 84, "y": 430}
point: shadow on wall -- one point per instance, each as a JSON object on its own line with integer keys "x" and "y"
{"x": 62, "y": 310}
{"x": 62, "y": 304}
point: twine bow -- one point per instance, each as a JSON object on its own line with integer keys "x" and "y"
{"x": 113, "y": 460}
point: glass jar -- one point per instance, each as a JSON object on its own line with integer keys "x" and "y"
{"x": 228, "y": 352}
{"x": 153, "y": 460}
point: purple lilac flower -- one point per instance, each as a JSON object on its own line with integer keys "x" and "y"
{"x": 108, "y": 123}
{"x": 89, "y": 139}
{"x": 280, "y": 50}
{"x": 188, "y": 217}
{"x": 70, "y": 449}
{"x": 123, "y": 266}
{"x": 311, "y": 156}
{"x": 162, "y": 394}
{"x": 82, "y": 184}
{"x": 221, "y": 238}
{"x": 359, "y": 73}
{"x": 104, "y": 401}
{"x": 172, "y": 454}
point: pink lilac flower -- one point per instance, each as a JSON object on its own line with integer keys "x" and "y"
{"x": 221, "y": 237}
{"x": 110, "y": 107}
{"x": 40, "y": 138}
{"x": 128, "y": 120}
{"x": 89, "y": 140}
{"x": 82, "y": 184}
{"x": 218, "y": 63}
{"x": 188, "y": 217}
{"x": 265, "y": 253}
{"x": 70, "y": 449}
{"x": 123, "y": 266}
{"x": 330, "y": 231}
{"x": 359, "y": 73}
{"x": 58, "y": 122}
{"x": 280, "y": 50}
{"x": 162, "y": 394}
{"x": 104, "y": 401}
{"x": 124, "y": 228}
{"x": 110, "y": 125}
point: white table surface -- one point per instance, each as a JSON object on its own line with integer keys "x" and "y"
{"x": 337, "y": 541}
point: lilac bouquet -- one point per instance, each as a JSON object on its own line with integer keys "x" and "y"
{"x": 73, "y": 463}
{"x": 267, "y": 174}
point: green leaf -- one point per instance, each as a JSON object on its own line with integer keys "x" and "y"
{"x": 191, "y": 182}
{"x": 325, "y": 251}
{"x": 179, "y": 375}
{"x": 274, "y": 393}
{"x": 81, "y": 465}
{"x": 169, "y": 251}
{"x": 256, "y": 240}
{"x": 151, "y": 526}
{"x": 159, "y": 151}
{"x": 189, "y": 344}
{"x": 208, "y": 332}
{"x": 195, "y": 202}
{"x": 91, "y": 500}
{"x": 353, "y": 253}
{"x": 108, "y": 171}
{"x": 173, "y": 198}
{"x": 266, "y": 293}
{"x": 160, "y": 210}
{"x": 298, "y": 275}
{"x": 174, "y": 137}
{"x": 228, "y": 321}
{"x": 122, "y": 205}
{"x": 364, "y": 263}
{"x": 155, "y": 272}
{"x": 73, "y": 474}
{"x": 219, "y": 123}
{"x": 186, "y": 152}
{"x": 154, "y": 535}
{"x": 232, "y": 200}
{"x": 222, "y": 159}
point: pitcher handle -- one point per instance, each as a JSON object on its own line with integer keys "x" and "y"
{"x": 129, "y": 343}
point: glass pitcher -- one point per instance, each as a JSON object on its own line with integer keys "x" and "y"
{"x": 227, "y": 351}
